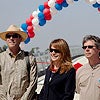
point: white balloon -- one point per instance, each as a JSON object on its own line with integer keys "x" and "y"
{"x": 69, "y": 1}
{"x": 98, "y": 1}
{"x": 87, "y": 1}
{"x": 35, "y": 21}
{"x": 92, "y": 1}
{"x": 53, "y": 11}
{"x": 36, "y": 27}
{"x": 35, "y": 14}
{"x": 51, "y": 3}
{"x": 38, "y": 11}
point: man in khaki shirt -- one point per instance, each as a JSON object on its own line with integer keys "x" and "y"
{"x": 18, "y": 69}
{"x": 88, "y": 76}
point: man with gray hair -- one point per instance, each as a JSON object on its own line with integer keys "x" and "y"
{"x": 88, "y": 76}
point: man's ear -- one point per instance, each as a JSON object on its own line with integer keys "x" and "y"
{"x": 20, "y": 39}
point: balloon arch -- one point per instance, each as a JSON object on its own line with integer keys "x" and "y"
{"x": 45, "y": 12}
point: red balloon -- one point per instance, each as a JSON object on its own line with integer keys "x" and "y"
{"x": 31, "y": 34}
{"x": 48, "y": 17}
{"x": 59, "y": 1}
{"x": 31, "y": 17}
{"x": 46, "y": 12}
{"x": 28, "y": 22}
{"x": 99, "y": 9}
{"x": 46, "y": 5}
{"x": 30, "y": 29}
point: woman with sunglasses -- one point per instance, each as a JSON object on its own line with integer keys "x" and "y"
{"x": 59, "y": 81}
{"x": 88, "y": 76}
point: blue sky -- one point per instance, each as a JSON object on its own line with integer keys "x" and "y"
{"x": 71, "y": 23}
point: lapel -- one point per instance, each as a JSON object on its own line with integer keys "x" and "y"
{"x": 56, "y": 78}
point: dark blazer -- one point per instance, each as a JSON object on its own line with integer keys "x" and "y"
{"x": 58, "y": 86}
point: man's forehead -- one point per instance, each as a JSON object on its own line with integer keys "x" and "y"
{"x": 90, "y": 41}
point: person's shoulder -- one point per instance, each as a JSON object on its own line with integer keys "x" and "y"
{"x": 72, "y": 69}
{"x": 2, "y": 53}
{"x": 2, "y": 56}
{"x": 48, "y": 67}
{"x": 82, "y": 69}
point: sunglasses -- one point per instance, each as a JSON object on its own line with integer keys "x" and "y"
{"x": 89, "y": 46}
{"x": 55, "y": 50}
{"x": 15, "y": 35}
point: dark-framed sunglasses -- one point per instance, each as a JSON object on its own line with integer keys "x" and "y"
{"x": 55, "y": 50}
{"x": 89, "y": 46}
{"x": 13, "y": 35}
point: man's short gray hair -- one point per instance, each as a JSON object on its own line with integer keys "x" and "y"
{"x": 92, "y": 37}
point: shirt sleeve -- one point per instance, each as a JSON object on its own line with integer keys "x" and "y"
{"x": 2, "y": 93}
{"x": 33, "y": 80}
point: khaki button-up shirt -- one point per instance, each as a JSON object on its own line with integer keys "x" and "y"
{"x": 17, "y": 82}
{"x": 88, "y": 82}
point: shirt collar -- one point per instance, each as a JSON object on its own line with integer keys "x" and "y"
{"x": 96, "y": 66}
{"x": 11, "y": 54}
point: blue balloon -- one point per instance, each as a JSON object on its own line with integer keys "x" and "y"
{"x": 24, "y": 26}
{"x": 64, "y": 3}
{"x": 27, "y": 40}
{"x": 40, "y": 15}
{"x": 58, "y": 6}
{"x": 42, "y": 22}
{"x": 41, "y": 8}
{"x": 96, "y": 5}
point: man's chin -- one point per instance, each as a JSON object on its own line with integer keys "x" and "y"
{"x": 11, "y": 46}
